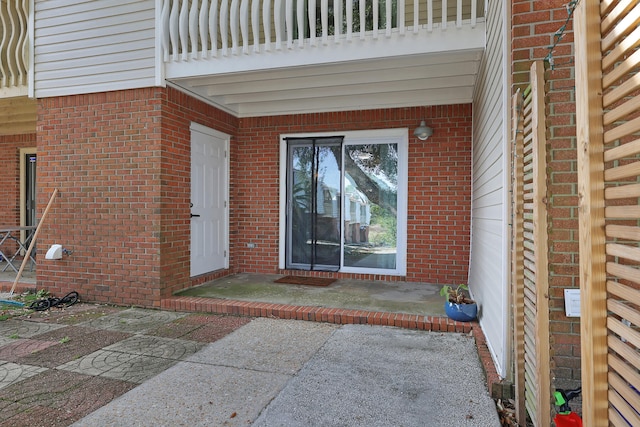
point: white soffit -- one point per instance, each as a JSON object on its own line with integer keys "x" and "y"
{"x": 401, "y": 81}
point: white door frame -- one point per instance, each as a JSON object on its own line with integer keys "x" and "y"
{"x": 23, "y": 188}
{"x": 399, "y": 135}
{"x": 227, "y": 139}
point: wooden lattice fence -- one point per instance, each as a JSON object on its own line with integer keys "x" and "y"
{"x": 530, "y": 254}
{"x": 607, "y": 38}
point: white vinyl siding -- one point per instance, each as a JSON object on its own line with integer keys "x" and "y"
{"x": 488, "y": 270}
{"x": 93, "y": 46}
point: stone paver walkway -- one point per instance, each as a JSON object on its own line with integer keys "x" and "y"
{"x": 59, "y": 366}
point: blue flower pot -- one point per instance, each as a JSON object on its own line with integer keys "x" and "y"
{"x": 461, "y": 312}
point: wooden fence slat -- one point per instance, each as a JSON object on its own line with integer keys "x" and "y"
{"x": 621, "y": 394}
{"x": 626, "y": 150}
{"x": 616, "y": 420}
{"x": 624, "y": 109}
{"x": 621, "y": 70}
{"x": 624, "y": 292}
{"x": 619, "y": 92}
{"x": 543, "y": 403}
{"x": 590, "y": 149}
{"x": 625, "y": 23}
{"x": 624, "y": 332}
{"x": 621, "y": 131}
{"x": 622, "y": 172}
{"x": 611, "y": 17}
{"x": 619, "y": 51}
{"x": 623, "y": 272}
{"x": 517, "y": 273}
{"x": 622, "y": 192}
{"x": 630, "y": 375}
{"x": 623, "y": 251}
{"x": 627, "y": 232}
{"x": 624, "y": 311}
{"x": 530, "y": 267}
{"x": 620, "y": 212}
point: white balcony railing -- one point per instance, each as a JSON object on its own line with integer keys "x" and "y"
{"x": 206, "y": 29}
{"x": 14, "y": 42}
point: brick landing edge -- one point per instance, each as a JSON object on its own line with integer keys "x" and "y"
{"x": 315, "y": 314}
{"x": 343, "y": 317}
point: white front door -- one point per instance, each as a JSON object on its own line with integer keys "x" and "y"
{"x": 209, "y": 189}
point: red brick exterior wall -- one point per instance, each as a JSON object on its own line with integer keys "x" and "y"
{"x": 121, "y": 161}
{"x": 534, "y": 25}
{"x": 439, "y": 182}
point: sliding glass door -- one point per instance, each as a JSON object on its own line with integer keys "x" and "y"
{"x": 346, "y": 203}
{"x": 371, "y": 205}
{"x": 313, "y": 229}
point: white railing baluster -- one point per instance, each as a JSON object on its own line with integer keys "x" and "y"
{"x": 266, "y": 24}
{"x": 244, "y": 25}
{"x": 164, "y": 18}
{"x": 300, "y": 22}
{"x": 10, "y": 31}
{"x": 198, "y": 29}
{"x": 474, "y": 13}
{"x": 255, "y": 25}
{"x": 312, "y": 22}
{"x": 12, "y": 47}
{"x": 233, "y": 24}
{"x": 443, "y": 25}
{"x": 289, "y": 22}
{"x": 3, "y": 45}
{"x": 388, "y": 19}
{"x": 324, "y": 20}
{"x": 173, "y": 29}
{"x": 361, "y": 11}
{"x": 337, "y": 20}
{"x": 349, "y": 19}
{"x": 15, "y": 44}
{"x": 400, "y": 22}
{"x": 193, "y": 28}
{"x": 213, "y": 27}
{"x": 224, "y": 26}
{"x": 183, "y": 26}
{"x": 203, "y": 19}
{"x": 376, "y": 17}
{"x": 277, "y": 22}
{"x": 24, "y": 45}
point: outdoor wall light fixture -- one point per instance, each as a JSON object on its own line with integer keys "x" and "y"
{"x": 423, "y": 131}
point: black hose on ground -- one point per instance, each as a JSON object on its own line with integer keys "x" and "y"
{"x": 47, "y": 303}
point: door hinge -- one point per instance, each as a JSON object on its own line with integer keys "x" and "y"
{"x": 225, "y": 254}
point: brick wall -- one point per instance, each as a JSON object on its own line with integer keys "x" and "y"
{"x": 534, "y": 25}
{"x": 121, "y": 162}
{"x": 439, "y": 187}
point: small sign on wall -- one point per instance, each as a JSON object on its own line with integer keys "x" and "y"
{"x": 572, "y": 302}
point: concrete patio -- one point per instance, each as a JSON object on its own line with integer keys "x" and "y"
{"x": 93, "y": 365}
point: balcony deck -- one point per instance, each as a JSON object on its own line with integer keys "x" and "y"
{"x": 290, "y": 56}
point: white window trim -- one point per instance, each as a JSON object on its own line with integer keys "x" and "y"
{"x": 396, "y": 135}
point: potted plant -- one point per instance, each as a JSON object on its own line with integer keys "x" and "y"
{"x": 458, "y": 305}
